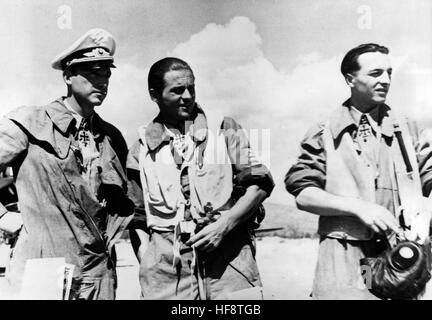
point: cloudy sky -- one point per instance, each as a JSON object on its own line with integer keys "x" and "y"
{"x": 273, "y": 65}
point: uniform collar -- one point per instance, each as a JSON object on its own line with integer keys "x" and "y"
{"x": 60, "y": 115}
{"x": 342, "y": 120}
{"x": 63, "y": 117}
{"x": 156, "y": 133}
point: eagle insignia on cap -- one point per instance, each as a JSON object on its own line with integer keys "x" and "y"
{"x": 98, "y": 37}
{"x": 97, "y": 52}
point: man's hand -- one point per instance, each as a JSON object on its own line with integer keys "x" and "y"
{"x": 11, "y": 223}
{"x": 376, "y": 217}
{"x": 210, "y": 237}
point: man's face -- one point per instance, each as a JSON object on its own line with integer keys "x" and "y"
{"x": 371, "y": 83}
{"x": 177, "y": 99}
{"x": 89, "y": 83}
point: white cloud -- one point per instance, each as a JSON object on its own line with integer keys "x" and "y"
{"x": 234, "y": 77}
{"x": 237, "y": 43}
{"x": 309, "y": 58}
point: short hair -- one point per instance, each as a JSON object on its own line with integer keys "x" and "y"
{"x": 160, "y": 68}
{"x": 350, "y": 61}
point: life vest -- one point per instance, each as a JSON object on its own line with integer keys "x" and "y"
{"x": 210, "y": 177}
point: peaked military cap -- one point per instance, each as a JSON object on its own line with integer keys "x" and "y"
{"x": 95, "y": 45}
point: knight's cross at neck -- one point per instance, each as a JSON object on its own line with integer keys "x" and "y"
{"x": 365, "y": 129}
{"x": 83, "y": 132}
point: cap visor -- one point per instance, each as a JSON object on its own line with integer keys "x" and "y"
{"x": 105, "y": 61}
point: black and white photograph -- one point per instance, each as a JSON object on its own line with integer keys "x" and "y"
{"x": 215, "y": 150}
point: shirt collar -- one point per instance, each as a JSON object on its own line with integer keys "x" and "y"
{"x": 76, "y": 115}
{"x": 344, "y": 118}
{"x": 371, "y": 116}
{"x": 156, "y": 132}
{"x": 171, "y": 132}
